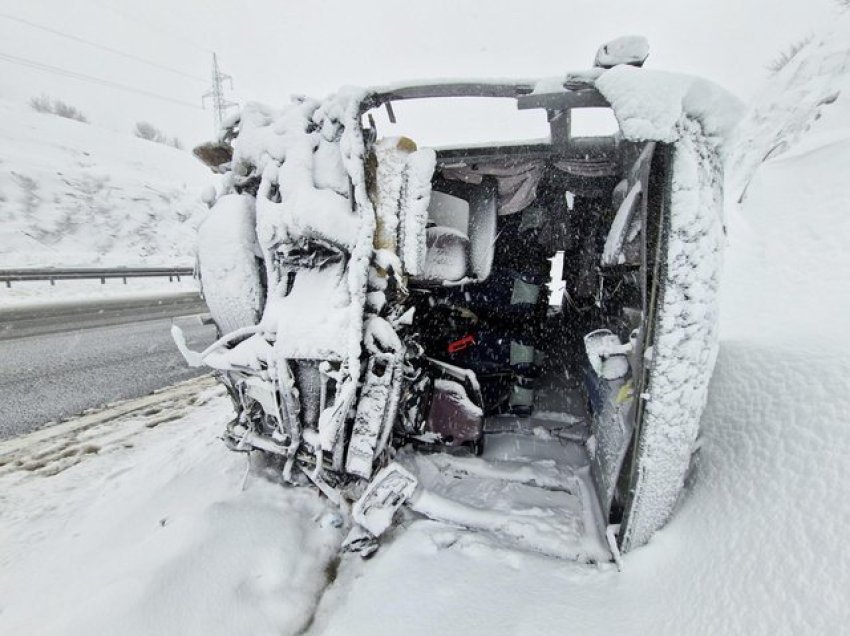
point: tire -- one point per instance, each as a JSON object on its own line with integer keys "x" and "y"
{"x": 228, "y": 264}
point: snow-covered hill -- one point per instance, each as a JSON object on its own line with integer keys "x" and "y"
{"x": 73, "y": 194}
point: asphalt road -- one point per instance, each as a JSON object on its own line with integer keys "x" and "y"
{"x": 17, "y": 322}
{"x": 57, "y": 362}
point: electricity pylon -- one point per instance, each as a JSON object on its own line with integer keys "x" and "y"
{"x": 216, "y": 94}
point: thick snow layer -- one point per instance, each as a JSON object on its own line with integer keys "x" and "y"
{"x": 685, "y": 339}
{"x": 344, "y": 108}
{"x": 312, "y": 321}
{"x": 138, "y": 524}
{"x": 391, "y": 157}
{"x": 651, "y": 105}
{"x": 416, "y": 202}
{"x": 526, "y": 493}
{"x": 73, "y": 194}
{"x": 305, "y": 161}
{"x": 629, "y": 49}
{"x": 796, "y": 227}
{"x": 304, "y": 188}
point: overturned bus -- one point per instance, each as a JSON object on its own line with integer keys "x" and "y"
{"x": 511, "y": 337}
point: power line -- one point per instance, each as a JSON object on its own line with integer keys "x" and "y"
{"x": 101, "y": 46}
{"x": 136, "y": 20}
{"x": 88, "y": 78}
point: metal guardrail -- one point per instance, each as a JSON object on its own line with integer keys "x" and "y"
{"x": 52, "y": 274}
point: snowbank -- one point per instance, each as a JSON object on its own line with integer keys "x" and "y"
{"x": 73, "y": 194}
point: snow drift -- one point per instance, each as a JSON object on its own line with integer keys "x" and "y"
{"x": 73, "y": 194}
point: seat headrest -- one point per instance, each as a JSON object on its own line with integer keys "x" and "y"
{"x": 446, "y": 210}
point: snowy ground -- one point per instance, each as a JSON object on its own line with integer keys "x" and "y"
{"x": 133, "y": 521}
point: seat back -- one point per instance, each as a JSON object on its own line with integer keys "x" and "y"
{"x": 447, "y": 210}
{"x": 446, "y": 240}
{"x": 461, "y": 233}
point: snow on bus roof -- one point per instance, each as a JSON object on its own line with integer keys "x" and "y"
{"x": 649, "y": 104}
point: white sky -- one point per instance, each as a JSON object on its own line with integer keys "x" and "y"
{"x": 276, "y": 48}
